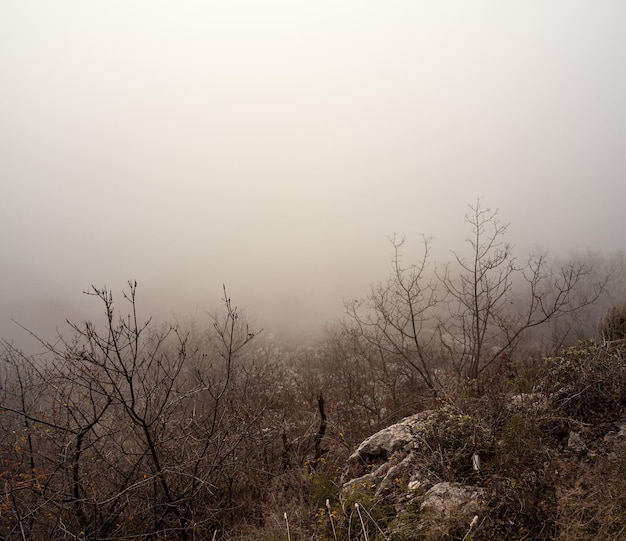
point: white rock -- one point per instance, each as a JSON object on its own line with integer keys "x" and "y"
{"x": 452, "y": 498}
{"x": 387, "y": 441}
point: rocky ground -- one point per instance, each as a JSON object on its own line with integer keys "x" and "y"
{"x": 549, "y": 463}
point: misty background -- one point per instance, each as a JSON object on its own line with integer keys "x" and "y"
{"x": 272, "y": 145}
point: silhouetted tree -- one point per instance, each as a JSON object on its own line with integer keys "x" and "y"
{"x": 493, "y": 300}
{"x": 392, "y": 319}
{"x": 127, "y": 430}
{"x": 472, "y": 311}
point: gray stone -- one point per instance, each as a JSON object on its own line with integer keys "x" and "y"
{"x": 534, "y": 402}
{"x": 395, "y": 475}
{"x": 370, "y": 480}
{"x": 446, "y": 499}
{"x": 390, "y": 465}
{"x": 384, "y": 443}
{"x": 576, "y": 444}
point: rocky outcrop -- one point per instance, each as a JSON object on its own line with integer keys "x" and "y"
{"x": 445, "y": 499}
{"x": 396, "y": 463}
{"x": 394, "y": 438}
{"x": 503, "y": 465}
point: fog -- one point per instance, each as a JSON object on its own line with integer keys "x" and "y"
{"x": 271, "y": 146}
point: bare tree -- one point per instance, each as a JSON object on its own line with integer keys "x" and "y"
{"x": 607, "y": 275}
{"x": 494, "y": 301}
{"x": 472, "y": 311}
{"x": 394, "y": 317}
{"x": 127, "y": 430}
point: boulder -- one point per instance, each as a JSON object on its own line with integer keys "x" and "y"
{"x": 386, "y": 442}
{"x": 452, "y": 499}
{"x": 400, "y": 458}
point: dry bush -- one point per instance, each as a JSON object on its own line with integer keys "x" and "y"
{"x": 592, "y": 500}
{"x": 587, "y": 382}
{"x": 613, "y": 326}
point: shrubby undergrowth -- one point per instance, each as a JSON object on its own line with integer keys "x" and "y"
{"x": 130, "y": 430}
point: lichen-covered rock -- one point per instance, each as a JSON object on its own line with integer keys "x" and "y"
{"x": 414, "y": 454}
{"x": 531, "y": 402}
{"x": 373, "y": 479}
{"x": 576, "y": 444}
{"x": 384, "y": 443}
{"x": 447, "y": 499}
{"x": 397, "y": 476}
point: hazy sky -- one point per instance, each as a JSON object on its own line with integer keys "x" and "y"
{"x": 271, "y": 145}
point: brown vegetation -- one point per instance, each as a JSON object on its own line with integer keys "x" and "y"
{"x": 130, "y": 430}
